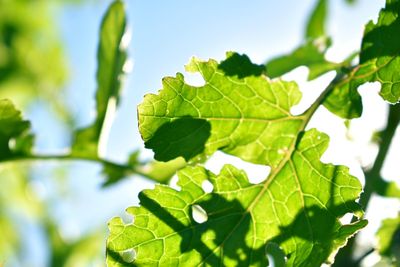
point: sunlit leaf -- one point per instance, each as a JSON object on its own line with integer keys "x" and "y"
{"x": 379, "y": 62}
{"x": 297, "y": 208}
{"x": 248, "y": 117}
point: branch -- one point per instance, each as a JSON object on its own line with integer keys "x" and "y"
{"x": 70, "y": 157}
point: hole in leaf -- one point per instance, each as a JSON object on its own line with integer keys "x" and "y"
{"x": 255, "y": 172}
{"x": 194, "y": 79}
{"x": 346, "y": 219}
{"x": 276, "y": 256}
{"x": 199, "y": 214}
{"x": 173, "y": 183}
{"x": 127, "y": 218}
{"x": 207, "y": 186}
{"x": 12, "y": 143}
{"x": 128, "y": 255}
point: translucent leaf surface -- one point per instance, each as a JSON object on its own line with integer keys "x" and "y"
{"x": 248, "y": 117}
{"x": 297, "y": 207}
{"x": 111, "y": 57}
{"x": 380, "y": 52}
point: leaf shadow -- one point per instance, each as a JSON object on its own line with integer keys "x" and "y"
{"x": 184, "y": 137}
{"x": 240, "y": 66}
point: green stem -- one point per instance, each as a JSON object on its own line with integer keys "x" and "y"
{"x": 70, "y": 157}
{"x": 372, "y": 176}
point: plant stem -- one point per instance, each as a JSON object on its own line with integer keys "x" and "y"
{"x": 372, "y": 176}
{"x": 70, "y": 157}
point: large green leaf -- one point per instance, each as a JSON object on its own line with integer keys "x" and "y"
{"x": 13, "y": 129}
{"x": 111, "y": 57}
{"x": 247, "y": 117}
{"x": 297, "y": 207}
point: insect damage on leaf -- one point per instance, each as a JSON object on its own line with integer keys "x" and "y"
{"x": 298, "y": 207}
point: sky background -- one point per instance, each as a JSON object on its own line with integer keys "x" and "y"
{"x": 164, "y": 36}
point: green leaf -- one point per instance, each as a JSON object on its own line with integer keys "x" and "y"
{"x": 388, "y": 237}
{"x": 13, "y": 129}
{"x": 379, "y": 61}
{"x": 297, "y": 207}
{"x": 316, "y": 22}
{"x": 111, "y": 57}
{"x": 311, "y": 54}
{"x": 379, "y": 57}
{"x": 187, "y": 121}
{"x": 344, "y": 101}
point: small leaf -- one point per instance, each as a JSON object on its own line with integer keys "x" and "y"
{"x": 310, "y": 54}
{"x": 13, "y": 129}
{"x": 240, "y": 66}
{"x": 380, "y": 49}
{"x": 379, "y": 61}
{"x": 115, "y": 173}
{"x": 111, "y": 57}
{"x": 298, "y": 208}
{"x": 388, "y": 237}
{"x": 316, "y": 22}
{"x": 344, "y": 101}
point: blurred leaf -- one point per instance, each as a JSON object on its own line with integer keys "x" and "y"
{"x": 241, "y": 218}
{"x": 12, "y": 127}
{"x": 32, "y": 62}
{"x": 310, "y": 54}
{"x": 114, "y": 173}
{"x": 386, "y": 189}
{"x": 317, "y": 20}
{"x": 388, "y": 237}
{"x": 111, "y": 57}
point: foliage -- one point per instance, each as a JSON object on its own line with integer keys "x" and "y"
{"x": 293, "y": 216}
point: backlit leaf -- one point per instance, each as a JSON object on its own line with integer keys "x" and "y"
{"x": 297, "y": 207}
{"x": 248, "y": 117}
